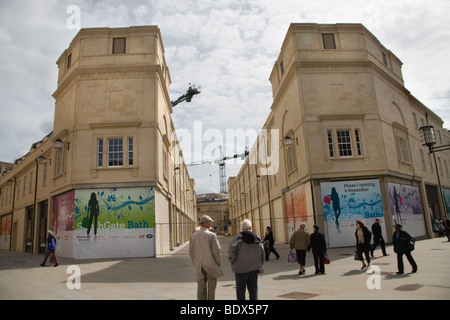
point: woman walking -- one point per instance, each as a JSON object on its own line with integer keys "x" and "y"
{"x": 363, "y": 236}
{"x": 269, "y": 237}
{"x": 51, "y": 249}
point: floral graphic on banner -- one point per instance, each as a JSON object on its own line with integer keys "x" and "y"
{"x": 115, "y": 209}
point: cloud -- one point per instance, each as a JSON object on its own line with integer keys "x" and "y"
{"x": 227, "y": 46}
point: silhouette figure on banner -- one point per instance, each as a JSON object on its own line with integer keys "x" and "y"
{"x": 94, "y": 212}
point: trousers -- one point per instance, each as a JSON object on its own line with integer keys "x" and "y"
{"x": 248, "y": 281}
{"x": 206, "y": 287}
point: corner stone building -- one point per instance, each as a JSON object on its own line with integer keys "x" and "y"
{"x": 348, "y": 143}
{"x": 113, "y": 137}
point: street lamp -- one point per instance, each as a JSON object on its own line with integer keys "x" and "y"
{"x": 430, "y": 141}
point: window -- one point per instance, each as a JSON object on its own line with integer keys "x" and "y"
{"x": 282, "y": 67}
{"x": 119, "y": 45}
{"x": 115, "y": 152}
{"x": 344, "y": 143}
{"x": 330, "y": 143}
{"x": 100, "y": 153}
{"x": 384, "y": 58}
{"x": 402, "y": 149}
{"x": 59, "y": 166}
{"x": 290, "y": 158}
{"x": 69, "y": 61}
{"x": 328, "y": 41}
{"x": 348, "y": 140}
{"x": 130, "y": 151}
{"x": 358, "y": 142}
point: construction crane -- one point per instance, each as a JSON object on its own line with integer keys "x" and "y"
{"x": 221, "y": 162}
{"x": 191, "y": 91}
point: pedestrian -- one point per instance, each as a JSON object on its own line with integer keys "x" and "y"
{"x": 246, "y": 254}
{"x": 271, "y": 241}
{"x": 51, "y": 249}
{"x": 204, "y": 250}
{"x": 378, "y": 238}
{"x": 300, "y": 242}
{"x": 363, "y": 237}
{"x": 401, "y": 240}
{"x": 319, "y": 249}
{"x": 447, "y": 228}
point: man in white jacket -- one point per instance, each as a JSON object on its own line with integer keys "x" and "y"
{"x": 204, "y": 250}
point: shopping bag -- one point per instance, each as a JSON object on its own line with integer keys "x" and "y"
{"x": 292, "y": 256}
{"x": 85, "y": 222}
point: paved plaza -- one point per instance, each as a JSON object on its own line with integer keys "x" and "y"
{"x": 171, "y": 277}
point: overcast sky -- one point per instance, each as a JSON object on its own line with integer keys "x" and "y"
{"x": 227, "y": 47}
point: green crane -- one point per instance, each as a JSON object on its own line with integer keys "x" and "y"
{"x": 191, "y": 91}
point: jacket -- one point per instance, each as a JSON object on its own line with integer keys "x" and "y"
{"x": 367, "y": 236}
{"x": 204, "y": 250}
{"x": 299, "y": 240}
{"x": 401, "y": 242}
{"x": 317, "y": 242}
{"x": 269, "y": 237}
{"x": 246, "y": 253}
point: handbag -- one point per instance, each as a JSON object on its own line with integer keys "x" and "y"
{"x": 52, "y": 245}
{"x": 326, "y": 260}
{"x": 292, "y": 256}
{"x": 356, "y": 257}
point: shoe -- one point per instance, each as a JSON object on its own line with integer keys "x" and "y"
{"x": 385, "y": 255}
{"x": 400, "y": 272}
{"x": 363, "y": 267}
{"x": 56, "y": 264}
{"x": 278, "y": 257}
{"x": 414, "y": 271}
{"x": 42, "y": 265}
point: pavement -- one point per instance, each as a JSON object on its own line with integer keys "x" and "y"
{"x": 171, "y": 277}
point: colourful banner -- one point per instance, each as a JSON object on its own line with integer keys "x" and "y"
{"x": 345, "y": 202}
{"x": 295, "y": 204}
{"x": 106, "y": 223}
{"x": 406, "y": 208}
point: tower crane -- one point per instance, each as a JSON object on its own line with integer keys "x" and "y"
{"x": 221, "y": 162}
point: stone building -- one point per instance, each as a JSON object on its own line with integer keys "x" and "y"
{"x": 341, "y": 142}
{"x": 109, "y": 180}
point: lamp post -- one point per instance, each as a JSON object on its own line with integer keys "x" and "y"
{"x": 430, "y": 141}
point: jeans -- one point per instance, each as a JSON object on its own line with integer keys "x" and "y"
{"x": 247, "y": 280}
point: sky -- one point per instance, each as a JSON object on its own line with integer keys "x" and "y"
{"x": 228, "y": 47}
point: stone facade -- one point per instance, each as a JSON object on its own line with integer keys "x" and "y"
{"x": 112, "y": 130}
{"x": 341, "y": 113}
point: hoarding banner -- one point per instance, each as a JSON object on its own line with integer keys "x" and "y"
{"x": 106, "y": 223}
{"x": 345, "y": 202}
{"x": 406, "y": 207}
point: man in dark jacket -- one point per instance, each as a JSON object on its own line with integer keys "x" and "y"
{"x": 319, "y": 248}
{"x": 401, "y": 240}
{"x": 377, "y": 238}
{"x": 246, "y": 254}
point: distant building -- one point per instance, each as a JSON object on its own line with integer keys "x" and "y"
{"x": 112, "y": 154}
{"x": 346, "y": 143}
{"x": 215, "y": 205}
